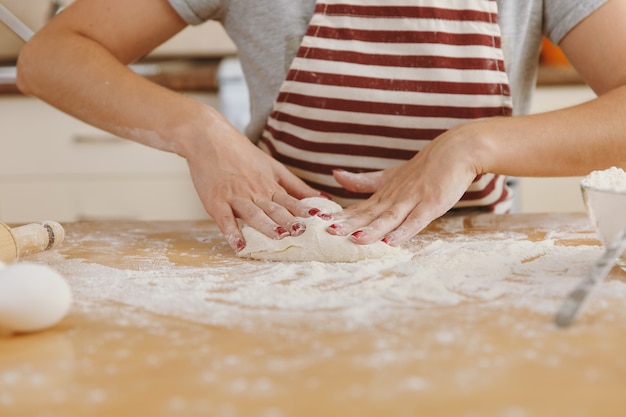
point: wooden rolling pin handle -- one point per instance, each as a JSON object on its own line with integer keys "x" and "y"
{"x": 28, "y": 239}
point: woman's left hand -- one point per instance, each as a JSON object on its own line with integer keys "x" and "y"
{"x": 406, "y": 198}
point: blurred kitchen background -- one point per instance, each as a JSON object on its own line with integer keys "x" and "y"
{"x": 55, "y": 167}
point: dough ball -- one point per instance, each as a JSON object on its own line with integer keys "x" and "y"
{"x": 32, "y": 297}
{"x": 315, "y": 244}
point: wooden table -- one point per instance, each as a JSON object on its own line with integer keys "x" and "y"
{"x": 168, "y": 322}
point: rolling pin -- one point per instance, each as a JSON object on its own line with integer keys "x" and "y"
{"x": 28, "y": 239}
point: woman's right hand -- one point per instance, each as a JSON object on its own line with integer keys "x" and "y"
{"x": 235, "y": 179}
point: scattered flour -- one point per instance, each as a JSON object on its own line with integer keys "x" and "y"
{"x": 500, "y": 269}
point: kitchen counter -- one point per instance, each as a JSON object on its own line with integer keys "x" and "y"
{"x": 198, "y": 75}
{"x": 201, "y": 75}
{"x": 167, "y": 321}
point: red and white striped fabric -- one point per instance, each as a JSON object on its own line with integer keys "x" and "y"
{"x": 375, "y": 80}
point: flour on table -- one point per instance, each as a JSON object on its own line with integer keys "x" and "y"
{"x": 498, "y": 270}
{"x": 315, "y": 244}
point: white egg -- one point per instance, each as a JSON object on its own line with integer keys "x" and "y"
{"x": 32, "y": 297}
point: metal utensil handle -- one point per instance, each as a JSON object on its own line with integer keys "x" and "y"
{"x": 574, "y": 301}
{"x": 15, "y": 24}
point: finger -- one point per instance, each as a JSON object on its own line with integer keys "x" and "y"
{"x": 227, "y": 223}
{"x": 294, "y": 186}
{"x": 355, "y": 217}
{"x": 359, "y": 182}
{"x": 415, "y": 222}
{"x": 293, "y": 205}
{"x": 257, "y": 218}
{"x": 296, "y": 190}
{"x": 387, "y": 221}
{"x": 281, "y": 215}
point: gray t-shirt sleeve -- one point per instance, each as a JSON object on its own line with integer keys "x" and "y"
{"x": 195, "y": 12}
{"x": 562, "y": 15}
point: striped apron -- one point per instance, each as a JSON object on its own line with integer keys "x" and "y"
{"x": 374, "y": 81}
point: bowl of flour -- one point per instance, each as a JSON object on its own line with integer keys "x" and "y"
{"x": 604, "y": 194}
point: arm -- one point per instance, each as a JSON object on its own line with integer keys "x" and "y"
{"x": 78, "y": 64}
{"x": 579, "y": 139}
{"x": 572, "y": 141}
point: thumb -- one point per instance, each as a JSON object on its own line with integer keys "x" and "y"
{"x": 368, "y": 182}
{"x": 294, "y": 186}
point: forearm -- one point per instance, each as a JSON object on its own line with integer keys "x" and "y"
{"x": 83, "y": 79}
{"x": 566, "y": 142}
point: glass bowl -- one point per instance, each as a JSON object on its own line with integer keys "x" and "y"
{"x": 605, "y": 200}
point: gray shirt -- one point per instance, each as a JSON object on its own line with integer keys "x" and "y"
{"x": 267, "y": 34}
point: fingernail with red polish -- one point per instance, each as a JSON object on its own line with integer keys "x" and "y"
{"x": 313, "y": 212}
{"x": 325, "y": 216}
{"x": 387, "y": 240}
{"x": 239, "y": 245}
{"x": 335, "y": 226}
{"x": 297, "y": 229}
{"x": 281, "y": 231}
{"x": 358, "y": 234}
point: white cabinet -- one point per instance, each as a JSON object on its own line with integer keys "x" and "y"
{"x": 53, "y": 166}
{"x": 538, "y": 195}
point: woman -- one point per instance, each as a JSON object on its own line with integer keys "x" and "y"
{"x": 77, "y": 63}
